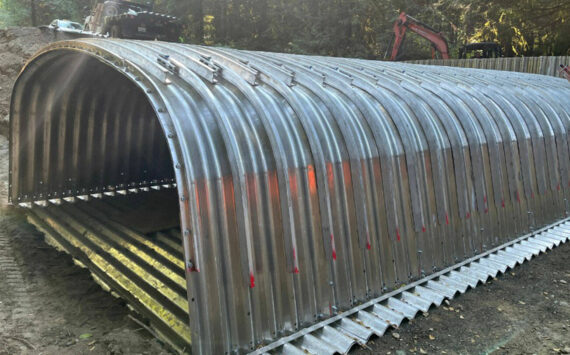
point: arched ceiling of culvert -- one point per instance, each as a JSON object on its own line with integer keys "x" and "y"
{"x": 80, "y": 128}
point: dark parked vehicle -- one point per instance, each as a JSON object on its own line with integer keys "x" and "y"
{"x": 133, "y": 20}
{"x": 480, "y": 50}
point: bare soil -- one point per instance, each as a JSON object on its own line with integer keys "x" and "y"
{"x": 16, "y": 46}
{"x": 49, "y": 305}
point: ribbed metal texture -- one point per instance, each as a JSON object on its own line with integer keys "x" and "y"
{"x": 533, "y": 65}
{"x": 340, "y": 334}
{"x": 307, "y": 185}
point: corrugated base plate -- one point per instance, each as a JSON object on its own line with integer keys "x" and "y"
{"x": 147, "y": 270}
{"x": 355, "y": 327}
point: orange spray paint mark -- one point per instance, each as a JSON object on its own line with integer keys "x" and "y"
{"x": 312, "y": 180}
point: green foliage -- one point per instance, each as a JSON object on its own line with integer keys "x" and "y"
{"x": 41, "y": 12}
{"x": 354, "y": 28}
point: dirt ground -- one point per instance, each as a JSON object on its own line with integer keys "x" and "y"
{"x": 48, "y": 305}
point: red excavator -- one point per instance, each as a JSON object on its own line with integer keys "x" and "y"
{"x": 405, "y": 22}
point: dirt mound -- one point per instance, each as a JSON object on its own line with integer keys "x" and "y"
{"x": 17, "y": 45}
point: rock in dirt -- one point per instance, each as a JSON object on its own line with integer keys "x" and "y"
{"x": 396, "y": 336}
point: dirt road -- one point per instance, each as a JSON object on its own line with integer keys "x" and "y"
{"x": 49, "y": 305}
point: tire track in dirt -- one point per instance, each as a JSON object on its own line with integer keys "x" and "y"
{"x": 16, "y": 311}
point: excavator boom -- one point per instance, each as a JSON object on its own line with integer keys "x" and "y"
{"x": 405, "y": 23}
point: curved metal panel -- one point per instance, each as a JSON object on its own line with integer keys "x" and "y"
{"x": 306, "y": 184}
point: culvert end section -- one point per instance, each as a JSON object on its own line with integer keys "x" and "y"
{"x": 282, "y": 189}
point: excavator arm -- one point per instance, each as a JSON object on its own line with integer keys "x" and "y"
{"x": 406, "y": 22}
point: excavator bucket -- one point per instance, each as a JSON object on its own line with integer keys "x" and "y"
{"x": 234, "y": 198}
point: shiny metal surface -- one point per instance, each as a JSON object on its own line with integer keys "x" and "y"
{"x": 307, "y": 185}
{"x": 533, "y": 65}
{"x": 145, "y": 269}
{"x": 389, "y": 311}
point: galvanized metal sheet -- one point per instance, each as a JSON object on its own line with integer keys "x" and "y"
{"x": 307, "y": 185}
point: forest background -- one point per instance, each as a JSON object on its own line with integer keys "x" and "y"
{"x": 348, "y": 28}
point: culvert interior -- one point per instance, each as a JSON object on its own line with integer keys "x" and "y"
{"x": 97, "y": 157}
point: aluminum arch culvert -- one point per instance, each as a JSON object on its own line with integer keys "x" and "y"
{"x": 306, "y": 185}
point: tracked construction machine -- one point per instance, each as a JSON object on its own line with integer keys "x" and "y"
{"x": 132, "y": 20}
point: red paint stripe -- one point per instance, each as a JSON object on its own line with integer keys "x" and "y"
{"x": 424, "y": 229}
{"x": 446, "y": 219}
{"x": 333, "y": 247}
{"x": 398, "y": 234}
{"x": 518, "y": 197}
{"x": 296, "y": 270}
{"x": 368, "y": 246}
{"x": 251, "y": 280}
{"x": 468, "y": 215}
{"x": 503, "y": 203}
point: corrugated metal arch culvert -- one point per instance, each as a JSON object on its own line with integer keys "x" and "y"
{"x": 306, "y": 185}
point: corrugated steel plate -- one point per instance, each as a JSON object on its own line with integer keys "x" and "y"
{"x": 306, "y": 185}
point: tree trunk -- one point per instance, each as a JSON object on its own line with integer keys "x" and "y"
{"x": 220, "y": 21}
{"x": 33, "y": 13}
{"x": 198, "y": 16}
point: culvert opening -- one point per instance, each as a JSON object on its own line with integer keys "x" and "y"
{"x": 87, "y": 146}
